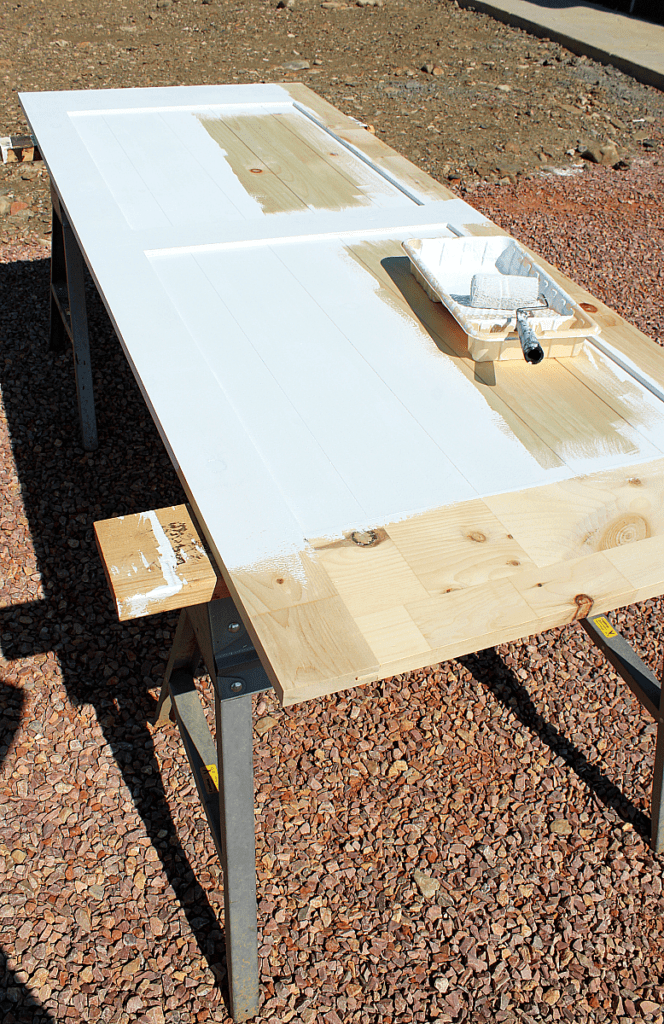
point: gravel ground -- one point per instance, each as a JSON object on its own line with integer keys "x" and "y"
{"x": 465, "y": 843}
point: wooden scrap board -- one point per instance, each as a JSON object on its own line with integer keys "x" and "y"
{"x": 375, "y": 500}
{"x": 155, "y": 561}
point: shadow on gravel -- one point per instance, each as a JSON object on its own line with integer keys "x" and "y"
{"x": 64, "y": 490}
{"x": 17, "y": 1003}
{"x": 490, "y": 670}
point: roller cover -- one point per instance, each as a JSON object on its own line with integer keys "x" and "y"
{"x": 503, "y": 291}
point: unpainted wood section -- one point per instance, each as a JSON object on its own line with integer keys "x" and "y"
{"x": 298, "y": 580}
{"x": 392, "y": 634}
{"x": 370, "y": 577}
{"x": 462, "y": 546}
{"x": 572, "y": 590}
{"x": 450, "y": 620}
{"x": 360, "y": 175}
{"x": 483, "y": 230}
{"x": 637, "y": 406}
{"x": 154, "y": 562}
{"x": 387, "y": 263}
{"x": 473, "y": 619}
{"x": 567, "y": 415}
{"x": 574, "y": 518}
{"x": 260, "y": 181}
{"x": 382, "y": 155}
{"x": 313, "y": 179}
{"x": 642, "y": 565}
{"x": 314, "y": 648}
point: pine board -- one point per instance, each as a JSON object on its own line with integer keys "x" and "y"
{"x": 375, "y": 501}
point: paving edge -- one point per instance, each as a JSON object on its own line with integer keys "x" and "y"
{"x": 643, "y": 74}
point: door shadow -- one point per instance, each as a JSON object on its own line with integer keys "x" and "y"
{"x": 489, "y": 669}
{"x": 63, "y": 491}
{"x": 18, "y": 1001}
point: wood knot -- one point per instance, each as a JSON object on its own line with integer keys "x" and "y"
{"x": 478, "y": 537}
{"x": 634, "y": 481}
{"x": 625, "y": 529}
{"x": 279, "y": 580}
{"x": 256, "y": 170}
{"x": 588, "y": 306}
{"x": 365, "y": 538}
{"x": 584, "y": 605}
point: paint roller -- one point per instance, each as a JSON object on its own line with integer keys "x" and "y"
{"x": 518, "y": 294}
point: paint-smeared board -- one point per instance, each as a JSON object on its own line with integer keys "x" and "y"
{"x": 155, "y": 561}
{"x": 375, "y": 500}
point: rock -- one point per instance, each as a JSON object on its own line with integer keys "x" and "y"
{"x": 285, "y": 4}
{"x": 157, "y": 926}
{"x": 504, "y": 88}
{"x": 368, "y": 3}
{"x": 5, "y": 206}
{"x": 19, "y": 856}
{"x": 647, "y": 1006}
{"x": 264, "y": 725}
{"x": 82, "y": 919}
{"x": 607, "y": 155}
{"x": 428, "y": 886}
{"x": 551, "y": 996}
{"x": 332, "y": 5}
{"x": 133, "y": 1004}
{"x": 17, "y": 206}
{"x": 163, "y": 4}
{"x": 427, "y": 68}
{"x": 437, "y": 72}
{"x": 561, "y": 827}
{"x": 296, "y": 65}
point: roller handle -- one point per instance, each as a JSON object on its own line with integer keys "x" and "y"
{"x": 530, "y": 346}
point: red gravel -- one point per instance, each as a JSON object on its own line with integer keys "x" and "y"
{"x": 518, "y": 778}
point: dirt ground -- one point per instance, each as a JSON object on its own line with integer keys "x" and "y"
{"x": 516, "y": 779}
{"x": 494, "y": 102}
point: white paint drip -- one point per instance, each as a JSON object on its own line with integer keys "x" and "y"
{"x": 138, "y": 604}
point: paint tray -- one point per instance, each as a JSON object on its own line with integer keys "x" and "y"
{"x": 445, "y": 268}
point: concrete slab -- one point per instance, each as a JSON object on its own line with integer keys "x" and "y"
{"x": 633, "y": 45}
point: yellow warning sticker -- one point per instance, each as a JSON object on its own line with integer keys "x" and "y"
{"x": 604, "y": 626}
{"x": 212, "y": 778}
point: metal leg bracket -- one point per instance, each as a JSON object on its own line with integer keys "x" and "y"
{"x": 224, "y": 775}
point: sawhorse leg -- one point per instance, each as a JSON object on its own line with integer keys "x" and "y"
{"x": 646, "y": 688}
{"x": 69, "y": 316}
{"x": 224, "y": 776}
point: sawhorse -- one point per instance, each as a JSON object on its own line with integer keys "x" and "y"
{"x": 209, "y": 630}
